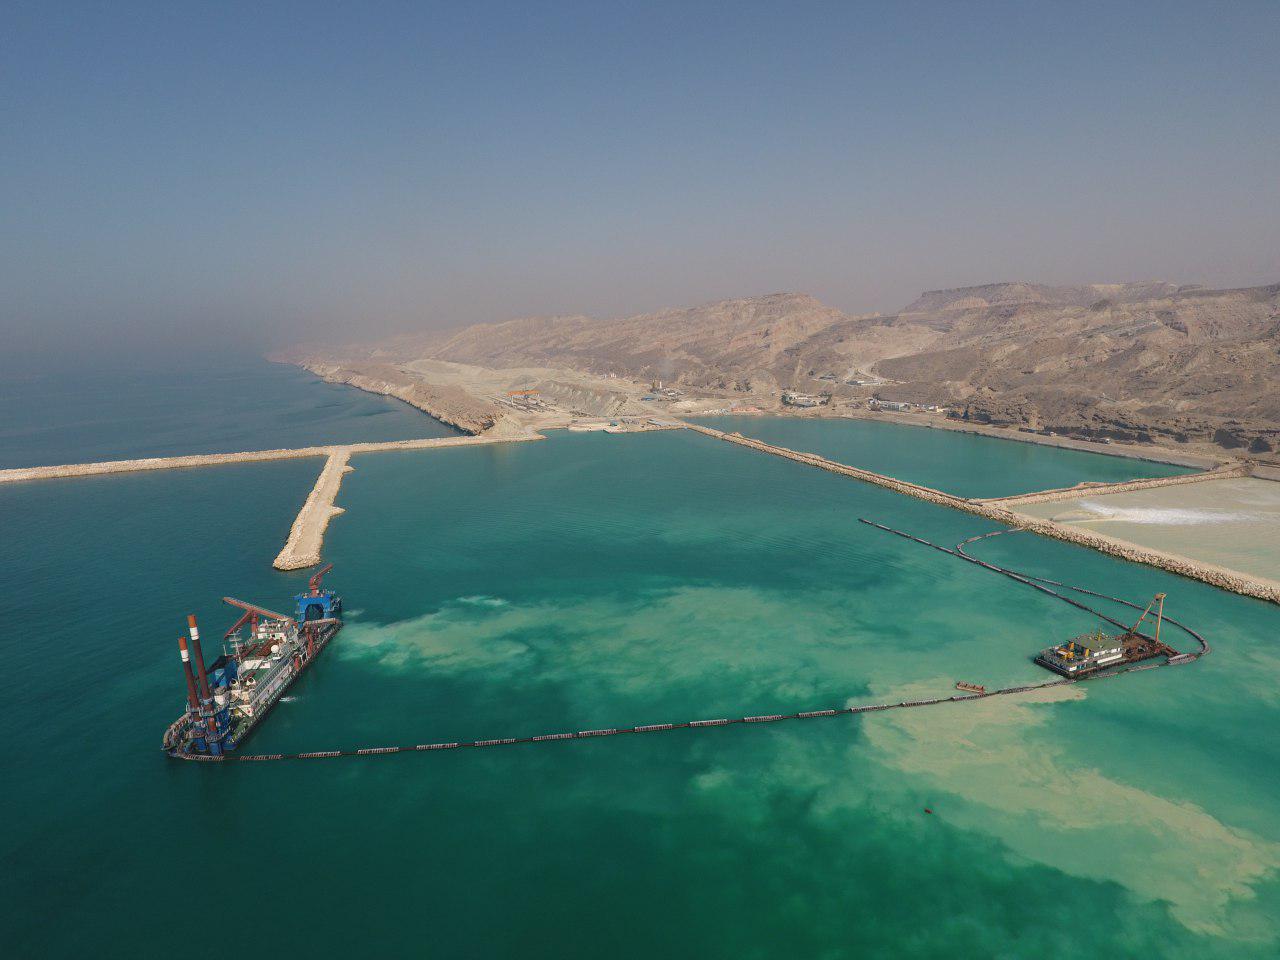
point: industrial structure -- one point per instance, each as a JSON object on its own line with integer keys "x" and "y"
{"x": 263, "y": 652}
{"x": 792, "y": 398}
{"x": 1097, "y": 651}
{"x": 892, "y": 405}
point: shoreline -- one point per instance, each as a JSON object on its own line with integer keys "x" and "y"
{"x": 450, "y": 406}
{"x": 458, "y": 405}
{"x": 302, "y": 549}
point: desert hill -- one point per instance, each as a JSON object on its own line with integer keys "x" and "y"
{"x": 1005, "y": 294}
{"x": 1132, "y": 361}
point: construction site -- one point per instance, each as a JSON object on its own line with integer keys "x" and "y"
{"x": 304, "y": 546}
{"x": 227, "y": 701}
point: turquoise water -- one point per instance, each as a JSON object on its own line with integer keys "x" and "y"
{"x": 964, "y": 464}
{"x": 595, "y": 580}
{"x": 206, "y": 407}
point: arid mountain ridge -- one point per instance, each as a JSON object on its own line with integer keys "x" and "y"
{"x": 1132, "y": 361}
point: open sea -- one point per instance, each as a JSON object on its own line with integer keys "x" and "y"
{"x": 83, "y": 416}
{"x": 592, "y": 581}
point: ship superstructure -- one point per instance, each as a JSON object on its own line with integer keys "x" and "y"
{"x": 263, "y": 652}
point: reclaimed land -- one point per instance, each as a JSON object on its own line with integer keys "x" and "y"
{"x": 1227, "y": 472}
{"x": 1231, "y": 580}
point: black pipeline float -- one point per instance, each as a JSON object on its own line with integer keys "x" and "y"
{"x": 971, "y": 691}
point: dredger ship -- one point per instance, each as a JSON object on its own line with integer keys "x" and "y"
{"x": 263, "y": 652}
{"x": 1097, "y": 651}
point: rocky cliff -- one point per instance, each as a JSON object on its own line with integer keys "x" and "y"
{"x": 1193, "y": 364}
{"x": 449, "y": 404}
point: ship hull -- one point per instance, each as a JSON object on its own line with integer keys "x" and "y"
{"x": 180, "y": 739}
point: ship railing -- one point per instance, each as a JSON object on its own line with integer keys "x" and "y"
{"x": 172, "y": 735}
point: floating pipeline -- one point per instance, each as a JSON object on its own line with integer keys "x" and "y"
{"x": 1036, "y": 582}
{"x": 1044, "y": 586}
{"x": 589, "y": 734}
{"x": 1039, "y": 583}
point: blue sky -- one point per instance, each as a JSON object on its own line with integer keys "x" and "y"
{"x": 178, "y": 174}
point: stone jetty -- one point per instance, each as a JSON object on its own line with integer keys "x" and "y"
{"x": 18, "y": 474}
{"x": 307, "y": 535}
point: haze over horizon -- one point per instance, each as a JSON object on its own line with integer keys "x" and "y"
{"x": 221, "y": 178}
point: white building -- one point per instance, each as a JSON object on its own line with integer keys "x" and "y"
{"x": 793, "y": 399}
{"x": 889, "y": 405}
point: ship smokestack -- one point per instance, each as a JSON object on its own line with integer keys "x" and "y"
{"x": 195, "y": 649}
{"x": 193, "y": 699}
{"x": 206, "y": 698}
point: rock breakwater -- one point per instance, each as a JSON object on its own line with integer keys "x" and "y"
{"x": 1221, "y": 577}
{"x": 302, "y": 549}
{"x": 69, "y": 470}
